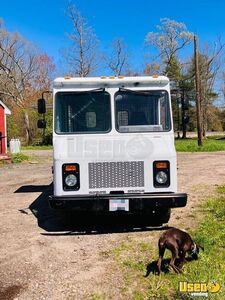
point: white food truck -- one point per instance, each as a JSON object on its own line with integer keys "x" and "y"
{"x": 113, "y": 144}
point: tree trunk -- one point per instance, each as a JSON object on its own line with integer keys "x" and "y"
{"x": 204, "y": 122}
{"x": 178, "y": 119}
{"x": 27, "y": 128}
{"x": 184, "y": 125}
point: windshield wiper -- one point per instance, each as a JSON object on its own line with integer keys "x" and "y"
{"x": 85, "y": 92}
{"x": 92, "y": 100}
{"x": 143, "y": 93}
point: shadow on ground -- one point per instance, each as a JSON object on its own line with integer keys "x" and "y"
{"x": 56, "y": 222}
{"x": 165, "y": 268}
{"x": 152, "y": 267}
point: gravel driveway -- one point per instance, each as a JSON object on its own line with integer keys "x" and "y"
{"x": 42, "y": 258}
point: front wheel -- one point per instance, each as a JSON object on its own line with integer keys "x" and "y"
{"x": 162, "y": 216}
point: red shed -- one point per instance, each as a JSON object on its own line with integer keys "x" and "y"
{"x": 3, "y": 132}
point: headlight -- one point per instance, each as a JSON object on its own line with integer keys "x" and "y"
{"x": 71, "y": 180}
{"x": 161, "y": 177}
{"x": 161, "y": 173}
{"x": 71, "y": 177}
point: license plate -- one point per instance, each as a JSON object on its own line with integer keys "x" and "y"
{"x": 119, "y": 204}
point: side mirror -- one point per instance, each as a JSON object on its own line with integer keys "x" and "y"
{"x": 41, "y": 124}
{"x": 41, "y": 106}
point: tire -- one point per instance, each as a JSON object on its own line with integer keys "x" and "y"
{"x": 162, "y": 216}
{"x": 157, "y": 217}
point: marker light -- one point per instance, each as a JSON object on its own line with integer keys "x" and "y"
{"x": 69, "y": 168}
{"x": 161, "y": 165}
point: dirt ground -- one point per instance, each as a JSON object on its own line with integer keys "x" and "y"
{"x": 42, "y": 258}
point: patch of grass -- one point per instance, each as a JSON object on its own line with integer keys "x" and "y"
{"x": 39, "y": 147}
{"x": 221, "y": 189}
{"x": 96, "y": 296}
{"x": 19, "y": 157}
{"x": 136, "y": 265}
{"x": 216, "y": 207}
{"x": 133, "y": 258}
{"x": 191, "y": 145}
{"x": 124, "y": 247}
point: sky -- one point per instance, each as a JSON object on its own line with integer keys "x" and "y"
{"x": 45, "y": 24}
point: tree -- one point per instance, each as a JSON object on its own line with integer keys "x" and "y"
{"x": 173, "y": 69}
{"x": 118, "y": 60}
{"x": 152, "y": 69}
{"x": 209, "y": 65}
{"x": 20, "y": 70}
{"x": 223, "y": 85}
{"x": 44, "y": 73}
{"x": 81, "y": 56}
{"x": 170, "y": 38}
{"x": 17, "y": 64}
{"x": 17, "y": 67}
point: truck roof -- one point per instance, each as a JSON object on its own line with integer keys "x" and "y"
{"x": 110, "y": 81}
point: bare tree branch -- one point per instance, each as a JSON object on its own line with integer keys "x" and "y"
{"x": 81, "y": 57}
{"x": 19, "y": 70}
{"x": 118, "y": 60}
{"x": 170, "y": 38}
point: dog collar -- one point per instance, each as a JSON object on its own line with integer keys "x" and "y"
{"x": 194, "y": 249}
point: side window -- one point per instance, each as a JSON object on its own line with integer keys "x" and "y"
{"x": 90, "y": 119}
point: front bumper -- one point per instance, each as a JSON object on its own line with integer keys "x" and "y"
{"x": 137, "y": 202}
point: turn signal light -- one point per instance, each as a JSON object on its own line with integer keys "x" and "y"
{"x": 161, "y": 174}
{"x": 71, "y": 177}
{"x": 69, "y": 168}
{"x": 161, "y": 165}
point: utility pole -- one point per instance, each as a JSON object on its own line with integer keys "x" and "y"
{"x": 197, "y": 89}
{"x": 184, "y": 125}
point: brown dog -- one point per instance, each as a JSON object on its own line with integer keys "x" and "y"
{"x": 179, "y": 243}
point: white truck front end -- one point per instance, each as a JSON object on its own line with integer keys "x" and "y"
{"x": 113, "y": 146}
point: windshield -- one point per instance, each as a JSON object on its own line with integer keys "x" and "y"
{"x": 138, "y": 111}
{"x": 83, "y": 112}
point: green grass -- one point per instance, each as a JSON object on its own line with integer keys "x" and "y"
{"x": 133, "y": 258}
{"x": 96, "y": 296}
{"x": 221, "y": 189}
{"x": 191, "y": 145}
{"x": 19, "y": 157}
{"x": 44, "y": 147}
{"x": 187, "y": 145}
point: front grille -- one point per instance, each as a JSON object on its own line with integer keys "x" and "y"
{"x": 116, "y": 174}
